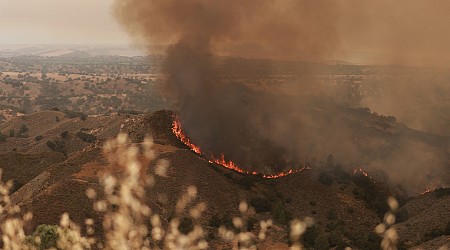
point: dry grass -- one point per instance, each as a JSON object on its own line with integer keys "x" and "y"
{"x": 129, "y": 223}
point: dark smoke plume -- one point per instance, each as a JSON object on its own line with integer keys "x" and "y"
{"x": 281, "y": 125}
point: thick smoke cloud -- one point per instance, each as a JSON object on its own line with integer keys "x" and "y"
{"x": 279, "y": 126}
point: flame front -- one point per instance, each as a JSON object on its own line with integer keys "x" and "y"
{"x": 361, "y": 171}
{"x": 178, "y": 131}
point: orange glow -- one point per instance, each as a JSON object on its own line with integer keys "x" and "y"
{"x": 361, "y": 171}
{"x": 426, "y": 191}
{"x": 178, "y": 131}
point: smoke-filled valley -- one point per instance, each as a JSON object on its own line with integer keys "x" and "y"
{"x": 300, "y": 120}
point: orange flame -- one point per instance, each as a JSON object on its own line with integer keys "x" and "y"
{"x": 426, "y": 191}
{"x": 178, "y": 131}
{"x": 361, "y": 171}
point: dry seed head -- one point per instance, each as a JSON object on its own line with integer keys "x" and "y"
{"x": 162, "y": 167}
{"x": 237, "y": 222}
{"x": 393, "y": 203}
{"x": 122, "y": 138}
{"x": 89, "y": 222}
{"x": 389, "y": 218}
{"x": 64, "y": 220}
{"x": 380, "y": 229}
{"x": 28, "y": 216}
{"x": 192, "y": 191}
{"x": 297, "y": 228}
{"x": 197, "y": 211}
{"x": 391, "y": 234}
{"x": 90, "y": 193}
{"x": 243, "y": 207}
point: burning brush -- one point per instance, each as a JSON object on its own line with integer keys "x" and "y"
{"x": 221, "y": 160}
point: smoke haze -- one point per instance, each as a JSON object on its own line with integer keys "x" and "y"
{"x": 270, "y": 129}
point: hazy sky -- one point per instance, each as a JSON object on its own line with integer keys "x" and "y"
{"x": 59, "y": 22}
{"x": 381, "y": 31}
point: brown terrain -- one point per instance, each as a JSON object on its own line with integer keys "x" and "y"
{"x": 49, "y": 182}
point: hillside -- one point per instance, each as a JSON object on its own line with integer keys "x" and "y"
{"x": 345, "y": 207}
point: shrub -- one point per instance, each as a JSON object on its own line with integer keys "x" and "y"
{"x": 3, "y": 137}
{"x": 350, "y": 210}
{"x": 12, "y": 133}
{"x": 402, "y": 215}
{"x": 51, "y": 145}
{"x": 23, "y": 129}
{"x": 65, "y": 134}
{"x": 44, "y": 237}
{"x": 447, "y": 229}
{"x": 321, "y": 242}
{"x": 325, "y": 179}
{"x": 439, "y": 192}
{"x": 38, "y": 138}
{"x": 280, "y": 214}
{"x": 57, "y": 146}
{"x": 75, "y": 114}
{"x": 434, "y": 233}
{"x": 331, "y": 215}
{"x": 186, "y": 225}
{"x": 260, "y": 204}
{"x": 310, "y": 236}
{"x": 215, "y": 221}
{"x": 86, "y": 137}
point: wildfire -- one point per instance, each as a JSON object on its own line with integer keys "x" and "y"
{"x": 426, "y": 191}
{"x": 361, "y": 171}
{"x": 178, "y": 131}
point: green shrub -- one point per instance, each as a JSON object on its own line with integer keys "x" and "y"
{"x": 47, "y": 235}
